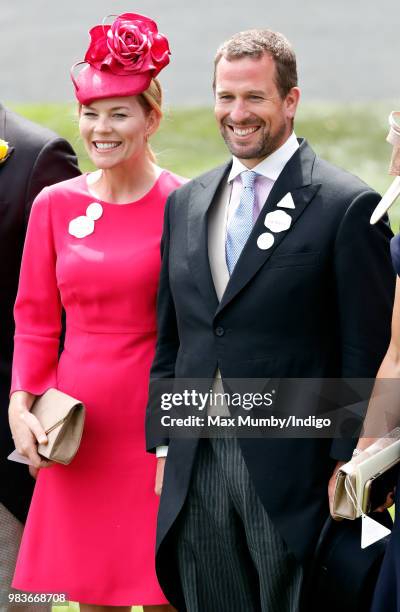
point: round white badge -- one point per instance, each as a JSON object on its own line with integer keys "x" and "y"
{"x": 81, "y": 226}
{"x": 265, "y": 241}
{"x": 278, "y": 221}
{"x": 94, "y": 211}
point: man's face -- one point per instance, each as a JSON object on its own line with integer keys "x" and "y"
{"x": 253, "y": 118}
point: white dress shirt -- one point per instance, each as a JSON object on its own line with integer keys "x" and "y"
{"x": 268, "y": 170}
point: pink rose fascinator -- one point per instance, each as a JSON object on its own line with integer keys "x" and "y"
{"x": 393, "y": 192}
{"x": 121, "y": 59}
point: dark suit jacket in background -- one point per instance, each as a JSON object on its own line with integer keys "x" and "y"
{"x": 316, "y": 304}
{"x": 39, "y": 157}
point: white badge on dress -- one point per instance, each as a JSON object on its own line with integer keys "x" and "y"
{"x": 278, "y": 221}
{"x": 286, "y": 202}
{"x": 83, "y": 226}
{"x": 94, "y": 211}
{"x": 265, "y": 241}
{"x": 371, "y": 531}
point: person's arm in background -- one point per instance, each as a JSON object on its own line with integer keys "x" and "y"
{"x": 365, "y": 280}
{"x": 163, "y": 366}
{"x": 384, "y": 406}
{"x": 383, "y": 413}
{"x": 55, "y": 162}
{"x": 37, "y": 333}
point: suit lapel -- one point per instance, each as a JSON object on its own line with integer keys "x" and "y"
{"x": 203, "y": 193}
{"x": 296, "y": 178}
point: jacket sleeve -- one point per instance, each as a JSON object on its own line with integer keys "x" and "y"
{"x": 163, "y": 367}
{"x": 37, "y": 310}
{"x": 365, "y": 282}
{"x": 55, "y": 162}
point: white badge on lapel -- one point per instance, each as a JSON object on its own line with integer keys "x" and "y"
{"x": 286, "y": 202}
{"x": 265, "y": 241}
{"x": 83, "y": 226}
{"x": 278, "y": 221}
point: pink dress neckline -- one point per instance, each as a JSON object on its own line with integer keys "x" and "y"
{"x": 141, "y": 200}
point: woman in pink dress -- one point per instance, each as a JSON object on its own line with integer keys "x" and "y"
{"x": 93, "y": 248}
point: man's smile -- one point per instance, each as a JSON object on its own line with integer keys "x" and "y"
{"x": 243, "y": 131}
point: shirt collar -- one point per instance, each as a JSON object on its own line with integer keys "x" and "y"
{"x": 271, "y": 166}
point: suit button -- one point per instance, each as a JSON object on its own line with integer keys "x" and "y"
{"x": 219, "y": 331}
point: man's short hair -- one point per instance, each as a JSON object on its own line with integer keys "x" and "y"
{"x": 254, "y": 43}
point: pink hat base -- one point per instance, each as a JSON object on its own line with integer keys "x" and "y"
{"x": 92, "y": 84}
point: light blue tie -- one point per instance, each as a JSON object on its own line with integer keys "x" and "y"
{"x": 241, "y": 224}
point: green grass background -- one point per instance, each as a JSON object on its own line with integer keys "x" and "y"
{"x": 188, "y": 143}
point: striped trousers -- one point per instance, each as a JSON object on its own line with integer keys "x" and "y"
{"x": 10, "y": 537}
{"x": 230, "y": 556}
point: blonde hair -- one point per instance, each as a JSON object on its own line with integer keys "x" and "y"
{"x": 151, "y": 100}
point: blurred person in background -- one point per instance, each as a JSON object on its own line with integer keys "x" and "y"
{"x": 31, "y": 157}
{"x": 383, "y": 410}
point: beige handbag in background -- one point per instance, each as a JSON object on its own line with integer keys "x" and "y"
{"x": 354, "y": 479}
{"x": 62, "y": 417}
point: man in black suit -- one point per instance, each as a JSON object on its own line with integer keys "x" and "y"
{"x": 270, "y": 270}
{"x": 36, "y": 157}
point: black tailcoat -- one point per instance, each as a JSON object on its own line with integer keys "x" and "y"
{"x": 316, "y": 304}
{"x": 38, "y": 157}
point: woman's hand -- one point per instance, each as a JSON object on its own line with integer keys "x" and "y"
{"x": 159, "y": 475}
{"x": 33, "y": 472}
{"x": 26, "y": 430}
{"x": 388, "y": 503}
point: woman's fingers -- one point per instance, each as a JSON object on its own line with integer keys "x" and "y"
{"x": 159, "y": 475}
{"x": 32, "y": 455}
{"x": 43, "y": 464}
{"x": 388, "y": 503}
{"x": 35, "y": 427}
{"x": 27, "y": 433}
{"x": 26, "y": 446}
{"x": 33, "y": 471}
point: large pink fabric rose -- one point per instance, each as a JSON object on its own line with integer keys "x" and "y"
{"x": 131, "y": 45}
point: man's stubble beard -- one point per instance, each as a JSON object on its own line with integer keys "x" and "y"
{"x": 267, "y": 145}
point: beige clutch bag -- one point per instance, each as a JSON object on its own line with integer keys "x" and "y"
{"x": 354, "y": 479}
{"x": 62, "y": 417}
